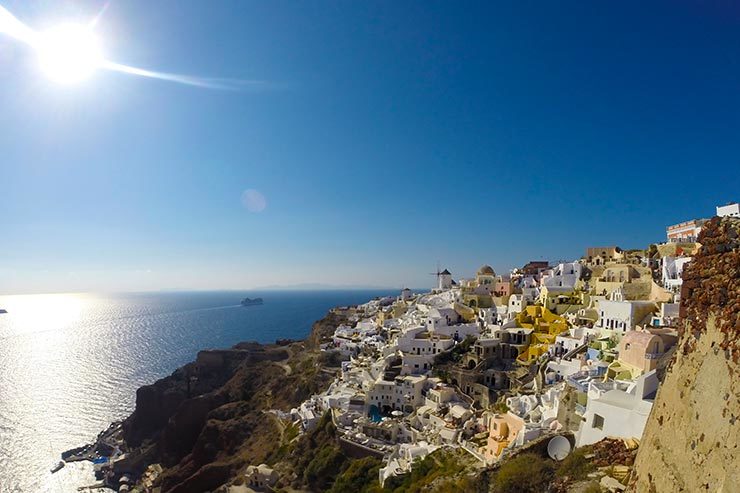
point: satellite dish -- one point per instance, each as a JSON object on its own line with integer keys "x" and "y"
{"x": 558, "y": 448}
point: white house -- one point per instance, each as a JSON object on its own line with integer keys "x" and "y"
{"x": 668, "y": 315}
{"x": 408, "y": 392}
{"x": 729, "y": 210}
{"x": 412, "y": 364}
{"x": 562, "y": 275}
{"x": 458, "y": 332}
{"x": 564, "y": 343}
{"x": 420, "y": 342}
{"x": 404, "y": 393}
{"x": 617, "y": 412}
{"x": 403, "y": 457}
{"x": 442, "y": 317}
{"x": 672, "y": 271}
{"x": 528, "y": 282}
{"x": 438, "y": 395}
{"x": 563, "y": 368}
{"x": 308, "y": 413}
{"x": 622, "y": 316}
{"x": 261, "y": 477}
{"x": 517, "y": 303}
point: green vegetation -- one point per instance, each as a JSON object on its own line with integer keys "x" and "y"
{"x": 465, "y": 484}
{"x": 286, "y": 446}
{"x": 443, "y": 375}
{"x": 526, "y": 473}
{"x": 317, "y": 456}
{"x": 500, "y": 406}
{"x": 291, "y": 431}
{"x": 320, "y": 472}
{"x": 331, "y": 359}
{"x": 360, "y": 477}
{"x": 440, "y": 472}
{"x": 575, "y": 466}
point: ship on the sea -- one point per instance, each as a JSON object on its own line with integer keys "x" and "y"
{"x": 251, "y": 301}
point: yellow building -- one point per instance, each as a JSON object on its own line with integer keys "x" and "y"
{"x": 486, "y": 276}
{"x": 396, "y": 310}
{"x": 475, "y": 300}
{"x": 635, "y": 280}
{"x": 478, "y": 292}
{"x": 541, "y": 320}
{"x": 466, "y": 312}
{"x": 546, "y": 326}
{"x": 603, "y": 255}
{"x": 561, "y": 299}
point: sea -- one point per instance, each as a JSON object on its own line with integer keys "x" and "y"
{"x": 70, "y": 364}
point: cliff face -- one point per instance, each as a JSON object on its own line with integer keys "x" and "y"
{"x": 691, "y": 439}
{"x": 206, "y": 421}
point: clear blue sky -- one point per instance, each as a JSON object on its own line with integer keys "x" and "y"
{"x": 385, "y": 137}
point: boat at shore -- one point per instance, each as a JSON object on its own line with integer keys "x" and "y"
{"x": 252, "y": 301}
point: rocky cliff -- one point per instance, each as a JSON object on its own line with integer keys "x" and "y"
{"x": 206, "y": 422}
{"x": 691, "y": 440}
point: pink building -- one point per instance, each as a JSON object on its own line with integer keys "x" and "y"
{"x": 502, "y": 287}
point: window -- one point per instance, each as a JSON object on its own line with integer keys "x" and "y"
{"x": 598, "y": 422}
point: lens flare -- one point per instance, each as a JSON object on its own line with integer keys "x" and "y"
{"x": 68, "y": 53}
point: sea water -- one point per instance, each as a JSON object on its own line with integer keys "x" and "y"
{"x": 70, "y": 364}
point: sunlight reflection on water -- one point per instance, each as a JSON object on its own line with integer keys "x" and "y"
{"x": 70, "y": 363}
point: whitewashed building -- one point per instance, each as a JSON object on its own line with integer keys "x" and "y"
{"x": 729, "y": 210}
{"x": 672, "y": 272}
{"x": 562, "y": 275}
{"x": 620, "y": 316}
{"x": 617, "y": 412}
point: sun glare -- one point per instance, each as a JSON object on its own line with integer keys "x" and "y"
{"x": 69, "y": 53}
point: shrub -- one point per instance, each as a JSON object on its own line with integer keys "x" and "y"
{"x": 438, "y": 469}
{"x": 332, "y": 359}
{"x": 360, "y": 477}
{"x": 501, "y": 407}
{"x": 525, "y": 473}
{"x": 323, "y": 467}
{"x": 575, "y": 465}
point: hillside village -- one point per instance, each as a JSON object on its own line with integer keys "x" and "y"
{"x": 494, "y": 362}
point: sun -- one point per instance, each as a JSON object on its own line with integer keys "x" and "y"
{"x": 69, "y": 53}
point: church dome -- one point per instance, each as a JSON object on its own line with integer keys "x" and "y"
{"x": 486, "y": 270}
